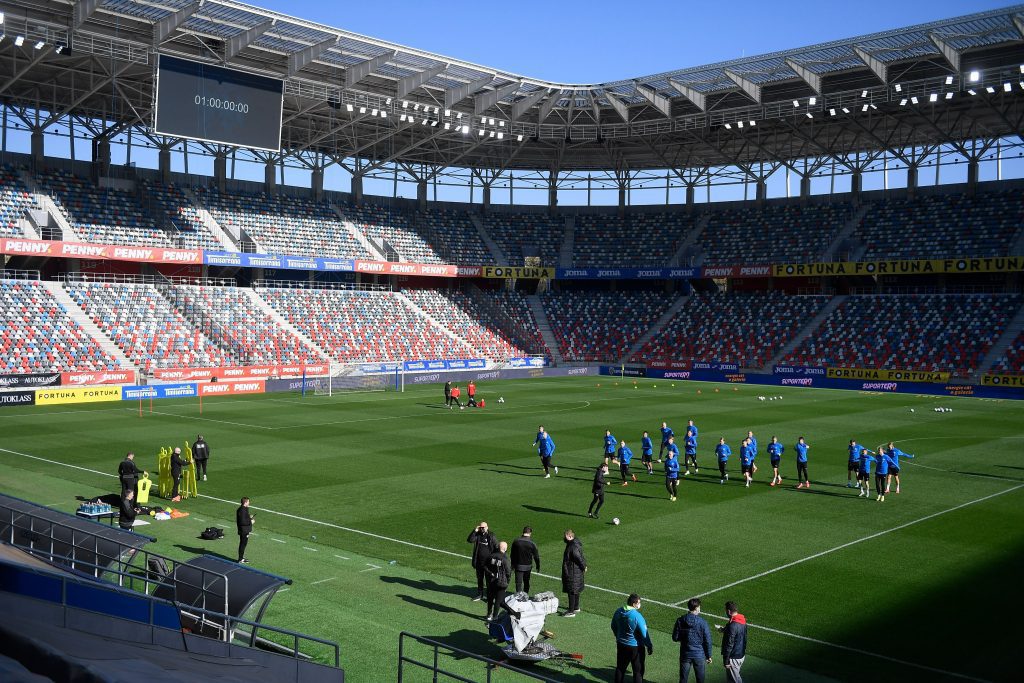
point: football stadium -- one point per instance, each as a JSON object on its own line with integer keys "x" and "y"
{"x": 329, "y": 358}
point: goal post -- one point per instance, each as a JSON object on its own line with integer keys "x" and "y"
{"x": 386, "y": 376}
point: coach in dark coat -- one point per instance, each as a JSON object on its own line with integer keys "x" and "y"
{"x": 484, "y": 544}
{"x": 177, "y": 465}
{"x": 574, "y": 566}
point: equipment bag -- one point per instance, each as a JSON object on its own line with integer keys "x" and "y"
{"x": 211, "y": 533}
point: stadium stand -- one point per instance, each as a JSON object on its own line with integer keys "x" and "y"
{"x": 746, "y": 329}
{"x": 930, "y": 332}
{"x": 37, "y": 334}
{"x": 355, "y": 325}
{"x": 455, "y": 232}
{"x": 104, "y": 215}
{"x": 505, "y": 310}
{"x": 168, "y": 202}
{"x": 942, "y": 226}
{"x": 454, "y": 310}
{"x": 15, "y": 199}
{"x": 1012, "y": 360}
{"x": 601, "y": 326}
{"x": 526, "y": 234}
{"x": 281, "y": 224}
{"x": 150, "y": 331}
{"x": 633, "y": 241}
{"x": 772, "y": 234}
{"x": 239, "y": 325}
{"x": 396, "y": 228}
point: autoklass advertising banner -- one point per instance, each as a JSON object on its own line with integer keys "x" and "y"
{"x": 59, "y": 396}
{"x": 47, "y": 379}
{"x": 17, "y": 398}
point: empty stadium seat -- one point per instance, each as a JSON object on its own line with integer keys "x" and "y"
{"x": 15, "y": 199}
{"x": 634, "y": 241}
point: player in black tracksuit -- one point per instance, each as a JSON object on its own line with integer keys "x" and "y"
{"x": 484, "y": 543}
{"x": 524, "y": 555}
{"x": 598, "y": 490}
{"x": 448, "y": 393}
{"x": 243, "y": 520}
{"x": 177, "y": 465}
{"x": 128, "y": 473}
{"x": 200, "y": 453}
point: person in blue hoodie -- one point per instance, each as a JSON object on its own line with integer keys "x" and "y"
{"x": 647, "y": 452}
{"x": 894, "y": 469}
{"x": 801, "y": 448}
{"x": 690, "y": 448}
{"x": 775, "y": 450}
{"x": 546, "y": 449}
{"x": 672, "y": 474}
{"x": 632, "y": 640}
{"x": 746, "y": 460}
{"x": 609, "y": 445}
{"x": 884, "y": 461}
{"x": 853, "y": 463}
{"x": 723, "y": 452}
{"x": 753, "y": 453}
{"x": 625, "y": 455}
{"x": 694, "y": 637}
{"x": 666, "y": 434}
{"x": 866, "y": 460}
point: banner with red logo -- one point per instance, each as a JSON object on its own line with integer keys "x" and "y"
{"x": 735, "y": 271}
{"x": 232, "y": 387}
{"x": 89, "y": 378}
{"x": 389, "y": 268}
{"x": 241, "y": 372}
{"x": 86, "y": 250}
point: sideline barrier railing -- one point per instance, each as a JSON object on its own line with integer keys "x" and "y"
{"x": 15, "y": 274}
{"x": 434, "y": 665}
{"x": 305, "y": 284}
{"x": 135, "y": 279}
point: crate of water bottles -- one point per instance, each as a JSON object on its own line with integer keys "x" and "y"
{"x": 94, "y": 508}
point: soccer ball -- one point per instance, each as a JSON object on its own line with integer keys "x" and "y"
{"x": 312, "y": 537}
{"x": 501, "y": 399}
{"x": 462, "y": 407}
{"x": 911, "y": 410}
{"x": 615, "y": 521}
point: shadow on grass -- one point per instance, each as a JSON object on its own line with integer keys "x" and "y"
{"x": 438, "y": 406}
{"x": 552, "y": 511}
{"x": 991, "y": 476}
{"x": 430, "y": 586}
{"x": 445, "y": 609}
{"x": 535, "y": 472}
{"x": 203, "y": 551}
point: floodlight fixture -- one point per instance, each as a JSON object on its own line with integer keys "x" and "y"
{"x": 416, "y": 106}
{"x": 519, "y": 138}
{"x": 348, "y": 107}
{"x": 813, "y": 101}
{"x": 949, "y": 96}
{"x": 481, "y": 132}
{"x": 903, "y": 102}
{"x": 491, "y": 121}
{"x": 728, "y": 126}
{"x": 914, "y": 99}
{"x": 845, "y": 110}
{"x": 362, "y": 110}
{"x": 501, "y": 124}
{"x": 810, "y": 115}
{"x": 1021, "y": 66}
{"x": 1007, "y": 87}
{"x": 424, "y": 121}
{"x": 973, "y": 76}
{"x": 492, "y": 134}
{"x": 972, "y": 92}
{"x": 458, "y": 115}
{"x": 387, "y": 101}
{"x": 447, "y": 126}
{"x": 405, "y": 104}
{"x": 465, "y": 130}
{"x": 934, "y": 97}
{"x": 373, "y": 112}
{"x": 990, "y": 90}
{"x": 753, "y": 122}
{"x": 874, "y": 106}
{"x": 864, "y": 108}
{"x": 402, "y": 118}
{"x": 739, "y": 124}
{"x": 19, "y": 41}
{"x": 796, "y": 103}
{"x": 1, "y": 17}
{"x": 949, "y": 80}
{"x": 39, "y": 44}
{"x": 501, "y": 135}
{"x": 383, "y": 114}
{"x": 863, "y": 93}
{"x": 899, "y": 88}
{"x": 832, "y": 111}
{"x": 433, "y": 124}
{"x": 447, "y": 112}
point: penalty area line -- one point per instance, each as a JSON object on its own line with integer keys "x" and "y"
{"x": 441, "y": 551}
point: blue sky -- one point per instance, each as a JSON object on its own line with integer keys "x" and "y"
{"x": 590, "y": 42}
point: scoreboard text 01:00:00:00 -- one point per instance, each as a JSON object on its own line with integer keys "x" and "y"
{"x": 240, "y": 107}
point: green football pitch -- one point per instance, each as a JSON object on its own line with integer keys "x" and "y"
{"x": 365, "y": 501}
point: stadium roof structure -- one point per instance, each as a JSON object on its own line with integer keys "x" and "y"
{"x": 367, "y": 103}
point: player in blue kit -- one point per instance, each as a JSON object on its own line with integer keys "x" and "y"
{"x": 884, "y": 461}
{"x": 625, "y": 455}
{"x": 894, "y": 469}
{"x": 723, "y": 452}
{"x": 546, "y": 449}
{"x": 672, "y": 448}
{"x": 746, "y": 460}
{"x": 609, "y": 446}
{"x": 865, "y": 461}
{"x": 647, "y": 452}
{"x": 753, "y": 453}
{"x": 690, "y": 448}
{"x": 802, "y": 480}
{"x": 672, "y": 472}
{"x": 853, "y": 463}
{"x": 666, "y": 434}
{"x": 775, "y": 450}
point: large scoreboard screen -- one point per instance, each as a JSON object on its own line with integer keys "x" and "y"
{"x": 214, "y": 104}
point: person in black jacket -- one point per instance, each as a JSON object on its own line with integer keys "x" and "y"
{"x": 524, "y": 554}
{"x": 598, "y": 489}
{"x": 177, "y": 465}
{"x": 499, "y": 571}
{"x": 694, "y": 638}
{"x": 448, "y": 393}
{"x": 128, "y": 473}
{"x": 574, "y": 566}
{"x": 734, "y": 642}
{"x": 244, "y": 522}
{"x": 128, "y": 511}
{"x": 200, "y": 453}
{"x": 484, "y": 543}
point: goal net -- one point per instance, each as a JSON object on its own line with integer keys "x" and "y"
{"x": 359, "y": 377}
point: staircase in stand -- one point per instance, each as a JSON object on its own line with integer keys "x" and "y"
{"x": 544, "y": 327}
{"x": 47, "y": 204}
{"x": 76, "y": 313}
{"x": 473, "y": 353}
{"x": 995, "y": 352}
{"x": 500, "y": 257}
{"x": 657, "y": 327}
{"x": 807, "y": 330}
{"x": 844, "y": 233}
{"x": 373, "y": 250}
{"x": 568, "y": 243}
{"x": 225, "y": 239}
{"x": 689, "y": 240}
{"x": 282, "y": 322}
{"x": 211, "y": 329}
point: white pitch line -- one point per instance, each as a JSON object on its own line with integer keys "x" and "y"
{"x": 848, "y": 544}
{"x": 331, "y": 578}
{"x": 341, "y": 557}
{"x": 278, "y": 540}
{"x": 547, "y": 576}
{"x": 306, "y": 547}
{"x": 370, "y": 567}
{"x": 210, "y": 419}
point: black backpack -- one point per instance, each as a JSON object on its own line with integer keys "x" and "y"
{"x": 211, "y": 533}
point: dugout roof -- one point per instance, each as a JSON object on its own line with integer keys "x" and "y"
{"x": 367, "y": 102}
